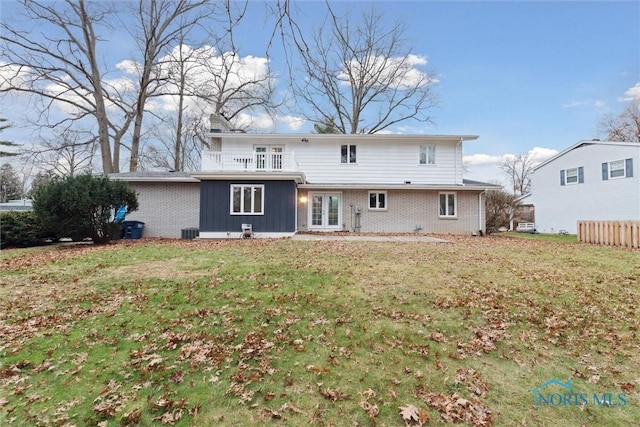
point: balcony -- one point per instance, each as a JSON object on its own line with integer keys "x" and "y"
{"x": 250, "y": 161}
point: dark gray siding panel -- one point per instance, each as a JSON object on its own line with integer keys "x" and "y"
{"x": 279, "y": 208}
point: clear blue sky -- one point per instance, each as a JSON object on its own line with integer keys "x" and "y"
{"x": 520, "y": 74}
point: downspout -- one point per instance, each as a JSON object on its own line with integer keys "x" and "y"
{"x": 480, "y": 224}
{"x": 455, "y": 153}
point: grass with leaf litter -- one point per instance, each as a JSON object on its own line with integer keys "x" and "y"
{"x": 320, "y": 332}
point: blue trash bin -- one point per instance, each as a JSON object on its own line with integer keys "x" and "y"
{"x": 133, "y": 229}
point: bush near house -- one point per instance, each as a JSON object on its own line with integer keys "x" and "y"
{"x": 499, "y": 209}
{"x": 82, "y": 206}
{"x": 20, "y": 229}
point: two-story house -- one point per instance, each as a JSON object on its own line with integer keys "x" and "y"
{"x": 591, "y": 180}
{"x": 280, "y": 184}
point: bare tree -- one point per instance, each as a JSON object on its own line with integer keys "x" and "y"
{"x": 68, "y": 154}
{"x": 66, "y": 67}
{"x": 212, "y": 79}
{"x": 10, "y": 183}
{"x": 164, "y": 153}
{"x": 624, "y": 127}
{"x": 234, "y": 87}
{"x": 500, "y": 207}
{"x": 162, "y": 23}
{"x": 63, "y": 67}
{"x": 359, "y": 73}
{"x": 518, "y": 170}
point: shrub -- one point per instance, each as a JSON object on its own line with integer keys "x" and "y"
{"x": 499, "y": 209}
{"x": 82, "y": 206}
{"x": 21, "y": 229}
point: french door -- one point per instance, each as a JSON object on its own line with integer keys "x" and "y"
{"x": 325, "y": 211}
{"x": 268, "y": 157}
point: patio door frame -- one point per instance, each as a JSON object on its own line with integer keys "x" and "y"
{"x": 325, "y": 214}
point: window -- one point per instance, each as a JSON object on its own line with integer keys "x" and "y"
{"x": 427, "y": 154}
{"x": 447, "y": 204}
{"x": 378, "y": 200}
{"x": 617, "y": 169}
{"x": 348, "y": 154}
{"x": 572, "y": 176}
{"x": 247, "y": 199}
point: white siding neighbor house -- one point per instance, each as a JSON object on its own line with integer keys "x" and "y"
{"x": 275, "y": 185}
{"x": 591, "y": 180}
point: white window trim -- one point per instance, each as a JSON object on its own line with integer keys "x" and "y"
{"x": 427, "y": 157}
{"x": 624, "y": 169}
{"x": 349, "y": 162}
{"x": 566, "y": 176}
{"x": 377, "y": 193}
{"x": 242, "y": 187}
{"x": 455, "y": 205}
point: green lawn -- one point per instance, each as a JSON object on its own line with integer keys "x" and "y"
{"x": 320, "y": 332}
{"x": 558, "y": 238}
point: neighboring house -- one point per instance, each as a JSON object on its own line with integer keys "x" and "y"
{"x": 281, "y": 184}
{"x": 524, "y": 215}
{"x": 16, "y": 205}
{"x": 591, "y": 180}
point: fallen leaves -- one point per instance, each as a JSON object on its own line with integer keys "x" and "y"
{"x": 333, "y": 394}
{"x": 455, "y": 409}
{"x": 412, "y": 416}
{"x": 331, "y": 333}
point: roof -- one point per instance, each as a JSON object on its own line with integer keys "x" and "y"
{"x": 298, "y": 177}
{"x": 168, "y": 176}
{"x": 587, "y": 142}
{"x": 472, "y": 183}
{"x": 382, "y": 137}
{"x": 467, "y": 185}
{"x": 154, "y": 176}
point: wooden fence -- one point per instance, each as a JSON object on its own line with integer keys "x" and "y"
{"x": 611, "y": 233}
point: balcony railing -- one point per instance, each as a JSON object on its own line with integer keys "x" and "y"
{"x": 250, "y": 161}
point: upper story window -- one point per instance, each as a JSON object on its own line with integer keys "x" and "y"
{"x": 247, "y": 199}
{"x": 378, "y": 200}
{"x": 617, "y": 169}
{"x": 572, "y": 176}
{"x": 447, "y": 205}
{"x": 348, "y": 154}
{"x": 427, "y": 154}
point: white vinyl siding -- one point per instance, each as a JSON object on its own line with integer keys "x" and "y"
{"x": 378, "y": 162}
{"x": 427, "y": 154}
{"x": 597, "y": 197}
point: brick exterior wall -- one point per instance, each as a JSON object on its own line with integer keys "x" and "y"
{"x": 406, "y": 211}
{"x": 166, "y": 208}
